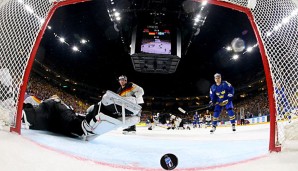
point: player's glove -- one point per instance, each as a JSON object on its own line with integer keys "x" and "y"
{"x": 230, "y": 97}
{"x": 223, "y": 103}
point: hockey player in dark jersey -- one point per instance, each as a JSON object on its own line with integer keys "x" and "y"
{"x": 221, "y": 94}
{"x": 208, "y": 119}
{"x": 152, "y": 120}
{"x": 129, "y": 89}
{"x": 55, "y": 116}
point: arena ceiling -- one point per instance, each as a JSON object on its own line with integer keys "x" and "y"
{"x": 105, "y": 55}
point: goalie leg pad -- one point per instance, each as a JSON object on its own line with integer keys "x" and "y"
{"x": 115, "y": 101}
{"x": 104, "y": 124}
{"x": 131, "y": 120}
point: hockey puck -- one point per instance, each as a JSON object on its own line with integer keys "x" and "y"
{"x": 169, "y": 161}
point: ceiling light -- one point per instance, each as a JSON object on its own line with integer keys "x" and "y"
{"x": 235, "y": 57}
{"x": 62, "y": 39}
{"x": 117, "y": 14}
{"x": 74, "y": 48}
{"x": 229, "y": 48}
{"x": 249, "y": 49}
{"x": 83, "y": 41}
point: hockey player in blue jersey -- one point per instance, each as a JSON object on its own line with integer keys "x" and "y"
{"x": 221, "y": 94}
{"x": 282, "y": 103}
{"x": 196, "y": 117}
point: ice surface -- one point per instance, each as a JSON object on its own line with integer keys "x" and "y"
{"x": 196, "y": 149}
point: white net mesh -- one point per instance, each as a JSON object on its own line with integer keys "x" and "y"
{"x": 278, "y": 26}
{"x": 238, "y": 2}
{"x": 20, "y": 23}
{"x": 277, "y": 22}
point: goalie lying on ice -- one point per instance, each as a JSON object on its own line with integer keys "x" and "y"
{"x": 112, "y": 112}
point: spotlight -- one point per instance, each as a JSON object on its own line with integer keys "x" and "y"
{"x": 249, "y": 49}
{"x": 62, "y": 39}
{"x": 229, "y": 48}
{"x": 235, "y": 57}
{"x": 74, "y": 48}
{"x": 204, "y": 3}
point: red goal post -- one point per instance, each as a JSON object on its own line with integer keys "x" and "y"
{"x": 23, "y": 23}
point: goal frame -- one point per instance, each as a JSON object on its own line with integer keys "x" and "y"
{"x": 247, "y": 11}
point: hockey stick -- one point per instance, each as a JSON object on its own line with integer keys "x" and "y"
{"x": 200, "y": 108}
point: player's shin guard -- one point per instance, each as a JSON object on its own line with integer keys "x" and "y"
{"x": 231, "y": 115}
{"x": 232, "y": 118}
{"x": 214, "y": 124}
{"x": 215, "y": 118}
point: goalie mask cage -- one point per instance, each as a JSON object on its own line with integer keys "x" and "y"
{"x": 275, "y": 23}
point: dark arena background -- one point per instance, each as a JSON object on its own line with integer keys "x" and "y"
{"x": 172, "y": 49}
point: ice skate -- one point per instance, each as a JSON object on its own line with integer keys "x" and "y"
{"x": 233, "y": 127}
{"x": 150, "y": 128}
{"x": 213, "y": 129}
{"x": 129, "y": 130}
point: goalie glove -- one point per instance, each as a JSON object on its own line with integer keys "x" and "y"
{"x": 223, "y": 103}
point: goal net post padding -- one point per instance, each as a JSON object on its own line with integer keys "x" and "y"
{"x": 275, "y": 23}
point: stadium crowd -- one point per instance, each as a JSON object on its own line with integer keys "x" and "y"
{"x": 40, "y": 88}
{"x": 254, "y": 106}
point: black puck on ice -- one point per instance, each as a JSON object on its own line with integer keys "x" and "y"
{"x": 169, "y": 161}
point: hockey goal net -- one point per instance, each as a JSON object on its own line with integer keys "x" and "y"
{"x": 275, "y": 22}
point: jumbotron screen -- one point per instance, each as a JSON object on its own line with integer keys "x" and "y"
{"x": 156, "y": 40}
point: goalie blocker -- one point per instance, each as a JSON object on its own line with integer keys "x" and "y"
{"x": 112, "y": 112}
